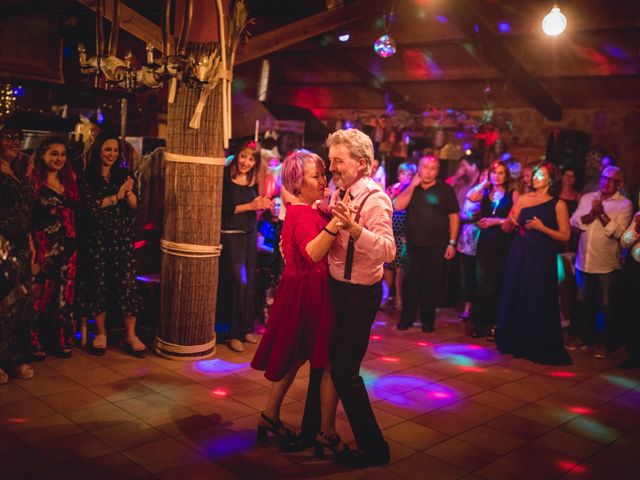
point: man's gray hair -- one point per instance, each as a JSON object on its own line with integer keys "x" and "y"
{"x": 358, "y": 144}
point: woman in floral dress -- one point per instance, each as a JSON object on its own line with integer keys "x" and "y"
{"x": 54, "y": 238}
{"x": 107, "y": 273}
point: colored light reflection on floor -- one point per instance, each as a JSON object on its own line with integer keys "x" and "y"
{"x": 17, "y": 420}
{"x": 464, "y": 368}
{"x": 217, "y": 365}
{"x": 422, "y": 344}
{"x": 219, "y": 392}
{"x": 468, "y": 351}
{"x": 390, "y": 359}
{"x": 574, "y": 467}
{"x": 381, "y": 324}
{"x": 621, "y": 381}
{"x": 398, "y": 383}
{"x": 562, "y": 374}
{"x": 375, "y": 337}
{"x": 580, "y": 410}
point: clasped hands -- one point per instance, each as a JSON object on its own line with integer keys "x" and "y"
{"x": 597, "y": 209}
{"x": 344, "y": 212}
{"x": 512, "y": 221}
{"x": 125, "y": 189}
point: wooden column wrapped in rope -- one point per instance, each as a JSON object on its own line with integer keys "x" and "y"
{"x": 194, "y": 162}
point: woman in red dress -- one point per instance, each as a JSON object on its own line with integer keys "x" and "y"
{"x": 301, "y": 320}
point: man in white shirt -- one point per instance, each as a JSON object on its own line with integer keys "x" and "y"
{"x": 602, "y": 217}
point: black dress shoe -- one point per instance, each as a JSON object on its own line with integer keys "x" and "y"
{"x": 402, "y": 326}
{"x": 427, "y": 328}
{"x": 629, "y": 364}
{"x": 360, "y": 459}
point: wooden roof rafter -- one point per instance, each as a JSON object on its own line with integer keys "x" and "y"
{"x": 472, "y": 25}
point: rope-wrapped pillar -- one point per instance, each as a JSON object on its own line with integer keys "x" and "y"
{"x": 190, "y": 245}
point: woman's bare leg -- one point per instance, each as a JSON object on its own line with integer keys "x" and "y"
{"x": 278, "y": 390}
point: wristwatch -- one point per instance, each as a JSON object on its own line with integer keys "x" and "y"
{"x": 452, "y": 243}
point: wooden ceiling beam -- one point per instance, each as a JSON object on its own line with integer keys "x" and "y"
{"x": 492, "y": 48}
{"x": 399, "y": 100}
{"x": 309, "y": 27}
{"x": 132, "y": 22}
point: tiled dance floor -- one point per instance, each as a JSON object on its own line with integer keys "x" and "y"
{"x": 450, "y": 407}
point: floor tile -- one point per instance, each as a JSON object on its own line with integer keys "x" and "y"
{"x": 73, "y": 400}
{"x": 506, "y": 469}
{"x": 563, "y": 442}
{"x": 107, "y": 467}
{"x": 414, "y": 435}
{"x": 74, "y": 449}
{"x": 44, "y": 428}
{"x": 493, "y": 440}
{"x": 421, "y": 464}
{"x": 102, "y": 416}
{"x": 462, "y": 454}
{"x": 128, "y": 435}
{"x": 162, "y": 455}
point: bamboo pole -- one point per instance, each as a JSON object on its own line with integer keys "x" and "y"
{"x": 192, "y": 212}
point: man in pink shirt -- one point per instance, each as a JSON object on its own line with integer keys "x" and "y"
{"x": 356, "y": 262}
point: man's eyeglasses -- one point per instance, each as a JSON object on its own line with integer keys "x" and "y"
{"x": 617, "y": 181}
{"x": 12, "y": 136}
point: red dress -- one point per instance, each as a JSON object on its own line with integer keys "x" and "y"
{"x": 302, "y": 317}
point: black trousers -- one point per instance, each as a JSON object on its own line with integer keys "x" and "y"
{"x": 629, "y": 313}
{"x": 236, "y": 288}
{"x": 595, "y": 293}
{"x": 422, "y": 283}
{"x": 356, "y": 308}
{"x": 468, "y": 274}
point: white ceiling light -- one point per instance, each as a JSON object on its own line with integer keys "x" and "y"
{"x": 554, "y": 23}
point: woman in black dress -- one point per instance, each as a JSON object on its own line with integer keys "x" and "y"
{"x": 240, "y": 202}
{"x": 16, "y": 202}
{"x": 496, "y": 200}
{"x": 54, "y": 239}
{"x": 107, "y": 273}
{"x": 529, "y": 318}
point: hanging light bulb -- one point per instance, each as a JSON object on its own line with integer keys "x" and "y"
{"x": 344, "y": 36}
{"x": 554, "y": 23}
{"x": 385, "y": 46}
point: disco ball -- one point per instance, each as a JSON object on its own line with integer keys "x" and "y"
{"x": 385, "y": 46}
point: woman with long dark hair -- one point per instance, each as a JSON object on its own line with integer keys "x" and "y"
{"x": 54, "y": 239}
{"x": 496, "y": 200}
{"x": 240, "y": 202}
{"x": 16, "y": 203}
{"x": 529, "y": 318}
{"x": 107, "y": 270}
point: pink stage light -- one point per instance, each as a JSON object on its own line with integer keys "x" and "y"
{"x": 439, "y": 395}
{"x": 471, "y": 369}
{"x": 562, "y": 374}
{"x": 390, "y": 359}
{"x": 580, "y": 410}
{"x": 572, "y": 466}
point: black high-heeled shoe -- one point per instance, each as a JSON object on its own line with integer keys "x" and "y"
{"x": 277, "y": 428}
{"x": 333, "y": 443}
{"x": 297, "y": 444}
{"x": 136, "y": 353}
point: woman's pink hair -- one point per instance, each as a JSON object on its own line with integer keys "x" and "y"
{"x": 293, "y": 169}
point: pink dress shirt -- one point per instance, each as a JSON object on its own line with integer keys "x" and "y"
{"x": 376, "y": 244}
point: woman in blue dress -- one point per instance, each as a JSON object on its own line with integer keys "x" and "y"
{"x": 529, "y": 319}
